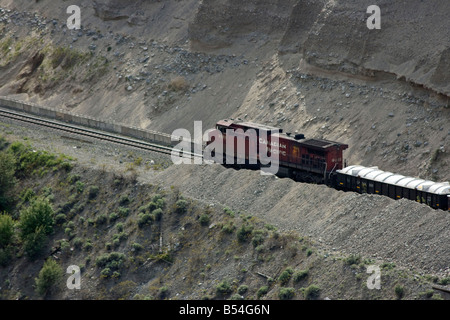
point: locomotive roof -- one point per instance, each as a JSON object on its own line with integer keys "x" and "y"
{"x": 312, "y": 143}
{"x": 373, "y": 173}
{"x": 228, "y": 122}
{"x": 320, "y": 143}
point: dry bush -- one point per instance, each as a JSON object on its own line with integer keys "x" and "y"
{"x": 178, "y": 84}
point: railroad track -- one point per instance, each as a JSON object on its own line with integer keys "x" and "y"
{"x": 91, "y": 133}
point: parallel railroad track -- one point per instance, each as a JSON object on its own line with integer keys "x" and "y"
{"x": 91, "y": 133}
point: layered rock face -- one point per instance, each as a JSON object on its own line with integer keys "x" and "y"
{"x": 412, "y": 43}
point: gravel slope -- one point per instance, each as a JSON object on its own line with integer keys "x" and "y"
{"x": 407, "y": 233}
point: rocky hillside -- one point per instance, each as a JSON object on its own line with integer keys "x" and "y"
{"x": 307, "y": 66}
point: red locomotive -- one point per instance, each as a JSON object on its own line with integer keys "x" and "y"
{"x": 307, "y": 160}
{"x": 244, "y": 144}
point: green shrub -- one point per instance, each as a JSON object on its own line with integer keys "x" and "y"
{"x": 49, "y": 276}
{"x": 353, "y": 259}
{"x": 258, "y": 237}
{"x": 312, "y": 292}
{"x": 262, "y": 291}
{"x": 300, "y": 275}
{"x": 7, "y": 179}
{"x": 242, "y": 289}
{"x": 163, "y": 292}
{"x": 236, "y": 296}
{"x": 69, "y": 204}
{"x": 160, "y": 203}
{"x": 69, "y": 232}
{"x": 244, "y": 232}
{"x": 144, "y": 219}
{"x": 181, "y": 206}
{"x": 74, "y": 178}
{"x": 67, "y": 58}
{"x": 60, "y": 218}
{"x": 27, "y": 195}
{"x": 399, "y": 291}
{"x": 113, "y": 216}
{"x": 6, "y": 230}
{"x": 79, "y": 186}
{"x": 124, "y": 200}
{"x": 229, "y": 212}
{"x": 229, "y": 227}
{"x": 123, "y": 212}
{"x": 101, "y": 219}
{"x": 436, "y": 296}
{"x": 223, "y": 288}
{"x": 121, "y": 236}
{"x": 285, "y": 276}
{"x": 67, "y": 166}
{"x": 110, "y": 262}
{"x": 286, "y": 293}
{"x": 93, "y": 192}
{"x": 87, "y": 245}
{"x": 29, "y": 160}
{"x": 137, "y": 246}
{"x": 5, "y": 256}
{"x": 204, "y": 219}
{"x": 426, "y": 294}
{"x": 38, "y": 214}
{"x": 33, "y": 243}
{"x": 106, "y": 272}
{"x": 156, "y": 214}
{"x": 3, "y": 143}
{"x": 77, "y": 242}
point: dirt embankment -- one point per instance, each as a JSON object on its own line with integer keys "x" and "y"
{"x": 410, "y": 234}
{"x": 307, "y": 66}
{"x": 334, "y": 35}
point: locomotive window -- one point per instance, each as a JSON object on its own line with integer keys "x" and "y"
{"x": 295, "y": 151}
{"x": 306, "y": 159}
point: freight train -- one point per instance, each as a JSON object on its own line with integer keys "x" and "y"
{"x": 321, "y": 161}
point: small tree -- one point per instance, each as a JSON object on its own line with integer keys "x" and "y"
{"x": 50, "y": 274}
{"x": 223, "y": 288}
{"x": 36, "y": 222}
{"x": 181, "y": 206}
{"x": 38, "y": 214}
{"x": 7, "y": 179}
{"x": 93, "y": 192}
{"x": 300, "y": 275}
{"x": 6, "y": 230}
{"x": 33, "y": 243}
{"x": 312, "y": 292}
{"x": 399, "y": 291}
{"x": 286, "y": 293}
{"x": 285, "y": 276}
